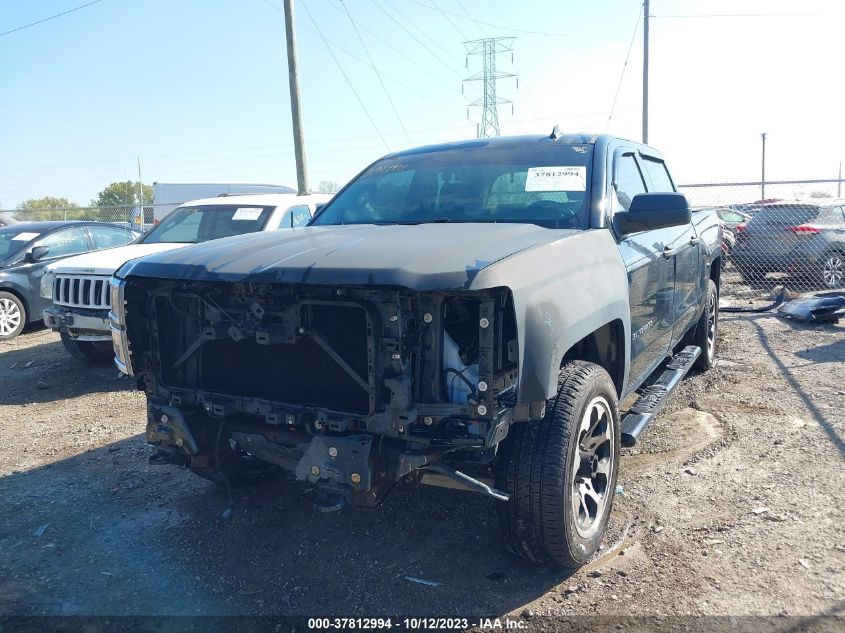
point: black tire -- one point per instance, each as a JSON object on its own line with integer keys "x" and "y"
{"x": 13, "y": 317}
{"x": 706, "y": 331}
{"x": 539, "y": 465}
{"x": 237, "y": 467}
{"x": 88, "y": 351}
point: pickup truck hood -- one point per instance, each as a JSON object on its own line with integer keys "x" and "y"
{"x": 420, "y": 257}
{"x": 107, "y": 261}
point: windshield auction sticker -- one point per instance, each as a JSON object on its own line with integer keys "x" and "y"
{"x": 247, "y": 213}
{"x": 556, "y": 179}
{"x": 25, "y": 237}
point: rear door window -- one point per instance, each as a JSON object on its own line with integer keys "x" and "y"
{"x": 109, "y": 236}
{"x": 659, "y": 175}
{"x": 300, "y": 216}
{"x": 629, "y": 182}
{"x": 66, "y": 242}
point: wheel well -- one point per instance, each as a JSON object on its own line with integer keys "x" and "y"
{"x": 716, "y": 271}
{"x": 604, "y": 347}
{"x": 20, "y": 297}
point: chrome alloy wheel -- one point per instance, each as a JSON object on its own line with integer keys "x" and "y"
{"x": 10, "y": 317}
{"x": 593, "y": 467}
{"x": 833, "y": 272}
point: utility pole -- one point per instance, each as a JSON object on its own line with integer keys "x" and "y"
{"x": 763, "y": 175}
{"x": 839, "y": 182}
{"x": 295, "y": 107}
{"x": 140, "y": 193}
{"x": 645, "y": 71}
{"x": 489, "y": 48}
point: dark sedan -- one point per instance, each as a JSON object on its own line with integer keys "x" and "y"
{"x": 27, "y": 248}
{"x": 806, "y": 240}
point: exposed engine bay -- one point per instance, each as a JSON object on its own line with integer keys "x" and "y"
{"x": 355, "y": 389}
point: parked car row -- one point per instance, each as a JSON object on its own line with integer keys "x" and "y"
{"x": 28, "y": 248}
{"x": 804, "y": 239}
{"x": 78, "y": 287}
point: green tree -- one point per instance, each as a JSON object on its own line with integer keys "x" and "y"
{"x": 119, "y": 201}
{"x": 48, "y": 208}
{"x": 123, "y": 194}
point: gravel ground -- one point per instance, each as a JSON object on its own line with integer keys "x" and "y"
{"x": 732, "y": 504}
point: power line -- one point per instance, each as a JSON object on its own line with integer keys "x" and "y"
{"x": 365, "y": 63}
{"x": 449, "y": 20}
{"x": 733, "y": 15}
{"x": 393, "y": 48}
{"x": 416, "y": 39}
{"x": 469, "y": 15}
{"x": 625, "y": 65}
{"x": 52, "y": 17}
{"x": 490, "y": 24}
{"x": 378, "y": 74}
{"x": 345, "y": 76}
{"x": 361, "y": 61}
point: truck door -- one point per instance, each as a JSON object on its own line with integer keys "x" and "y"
{"x": 683, "y": 253}
{"x": 651, "y": 278}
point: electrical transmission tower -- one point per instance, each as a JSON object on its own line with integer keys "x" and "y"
{"x": 489, "y": 48}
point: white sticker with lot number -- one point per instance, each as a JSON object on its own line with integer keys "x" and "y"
{"x": 247, "y": 213}
{"x": 25, "y": 237}
{"x": 556, "y": 179}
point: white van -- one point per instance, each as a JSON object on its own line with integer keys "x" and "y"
{"x": 169, "y": 195}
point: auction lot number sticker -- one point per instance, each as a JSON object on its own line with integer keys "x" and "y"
{"x": 556, "y": 179}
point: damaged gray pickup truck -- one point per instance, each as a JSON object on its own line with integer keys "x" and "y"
{"x": 468, "y": 314}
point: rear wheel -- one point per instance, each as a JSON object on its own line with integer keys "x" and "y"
{"x": 88, "y": 351}
{"x": 561, "y": 472}
{"x": 12, "y": 315}
{"x": 706, "y": 329}
{"x": 833, "y": 270}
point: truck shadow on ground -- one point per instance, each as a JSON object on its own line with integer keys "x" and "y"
{"x": 21, "y": 371}
{"x": 123, "y": 537}
{"x": 827, "y": 426}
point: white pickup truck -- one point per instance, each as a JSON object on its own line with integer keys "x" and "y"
{"x": 79, "y": 286}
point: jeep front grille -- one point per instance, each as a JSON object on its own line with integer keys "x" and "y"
{"x": 81, "y": 291}
{"x": 299, "y": 374}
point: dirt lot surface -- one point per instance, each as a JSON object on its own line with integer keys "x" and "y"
{"x": 733, "y": 504}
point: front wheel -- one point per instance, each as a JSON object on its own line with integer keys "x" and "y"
{"x": 88, "y": 351}
{"x": 561, "y": 472}
{"x": 12, "y": 316}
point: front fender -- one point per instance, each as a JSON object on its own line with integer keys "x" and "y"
{"x": 562, "y": 291}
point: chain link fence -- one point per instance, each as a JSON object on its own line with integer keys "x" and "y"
{"x": 122, "y": 214}
{"x": 781, "y": 233}
{"x": 777, "y": 234}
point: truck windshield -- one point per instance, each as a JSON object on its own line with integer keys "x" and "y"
{"x": 192, "y": 224}
{"x": 531, "y": 183}
{"x": 13, "y": 239}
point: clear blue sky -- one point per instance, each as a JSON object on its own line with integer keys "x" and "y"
{"x": 198, "y": 88}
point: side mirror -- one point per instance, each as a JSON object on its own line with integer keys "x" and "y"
{"x": 649, "y": 211}
{"x": 36, "y": 253}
